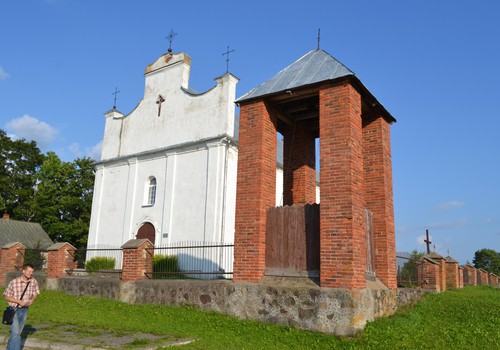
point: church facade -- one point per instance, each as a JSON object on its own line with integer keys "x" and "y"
{"x": 168, "y": 168}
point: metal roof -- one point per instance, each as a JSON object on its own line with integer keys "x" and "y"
{"x": 28, "y": 233}
{"x": 314, "y": 67}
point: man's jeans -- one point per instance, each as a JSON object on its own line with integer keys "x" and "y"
{"x": 16, "y": 328}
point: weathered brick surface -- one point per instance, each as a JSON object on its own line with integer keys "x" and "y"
{"x": 452, "y": 281}
{"x": 470, "y": 276}
{"x": 137, "y": 260}
{"x": 342, "y": 233}
{"x": 460, "y": 277}
{"x": 299, "y": 161}
{"x": 379, "y": 196}
{"x": 255, "y": 189}
{"x": 11, "y": 259}
{"x": 60, "y": 260}
{"x": 429, "y": 274}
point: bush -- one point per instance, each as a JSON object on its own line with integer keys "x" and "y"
{"x": 166, "y": 266}
{"x": 100, "y": 263}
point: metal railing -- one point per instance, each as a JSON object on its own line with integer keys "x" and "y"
{"x": 407, "y": 276}
{"x": 192, "y": 260}
{"x": 84, "y": 255}
{"x": 34, "y": 256}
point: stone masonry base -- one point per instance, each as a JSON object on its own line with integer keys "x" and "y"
{"x": 304, "y": 306}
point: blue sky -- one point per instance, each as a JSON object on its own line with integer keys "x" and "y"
{"x": 435, "y": 65}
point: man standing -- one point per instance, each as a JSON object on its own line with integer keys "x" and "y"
{"x": 14, "y": 295}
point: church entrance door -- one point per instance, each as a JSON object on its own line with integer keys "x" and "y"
{"x": 147, "y": 230}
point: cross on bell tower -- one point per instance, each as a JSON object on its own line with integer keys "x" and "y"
{"x": 427, "y": 241}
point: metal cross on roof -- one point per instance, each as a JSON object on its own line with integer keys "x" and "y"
{"x": 227, "y": 58}
{"x": 170, "y": 38}
{"x": 319, "y": 36}
{"x": 115, "y": 93}
{"x": 427, "y": 241}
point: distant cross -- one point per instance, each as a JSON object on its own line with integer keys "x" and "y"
{"x": 448, "y": 252}
{"x": 170, "y": 38}
{"x": 159, "y": 101}
{"x": 227, "y": 58}
{"x": 427, "y": 241}
{"x": 319, "y": 36}
{"x": 115, "y": 93}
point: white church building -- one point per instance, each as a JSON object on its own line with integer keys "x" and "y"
{"x": 168, "y": 168}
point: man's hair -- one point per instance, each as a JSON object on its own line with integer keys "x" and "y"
{"x": 25, "y": 266}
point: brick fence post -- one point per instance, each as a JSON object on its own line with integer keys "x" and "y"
{"x": 452, "y": 280}
{"x": 137, "y": 259}
{"x": 10, "y": 258}
{"x": 60, "y": 259}
{"x": 460, "y": 277}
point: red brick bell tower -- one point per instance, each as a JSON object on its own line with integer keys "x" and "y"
{"x": 318, "y": 97}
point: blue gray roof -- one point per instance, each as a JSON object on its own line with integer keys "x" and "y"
{"x": 30, "y": 234}
{"x": 314, "y": 67}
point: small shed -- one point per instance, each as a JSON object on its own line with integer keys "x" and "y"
{"x": 30, "y": 234}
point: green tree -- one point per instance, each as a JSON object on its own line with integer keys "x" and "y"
{"x": 64, "y": 198}
{"x": 487, "y": 259}
{"x": 407, "y": 274}
{"x": 20, "y": 160}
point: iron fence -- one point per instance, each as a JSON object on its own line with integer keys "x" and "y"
{"x": 34, "y": 256}
{"x": 192, "y": 260}
{"x": 407, "y": 276}
{"x": 101, "y": 257}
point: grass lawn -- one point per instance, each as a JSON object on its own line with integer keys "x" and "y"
{"x": 462, "y": 319}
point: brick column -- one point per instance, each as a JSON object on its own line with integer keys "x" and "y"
{"x": 452, "y": 281}
{"x": 60, "y": 260}
{"x": 10, "y": 258}
{"x": 342, "y": 226}
{"x": 377, "y": 163}
{"x": 255, "y": 189}
{"x": 429, "y": 274}
{"x": 137, "y": 259}
{"x": 470, "y": 278}
{"x": 299, "y": 165}
{"x": 460, "y": 277}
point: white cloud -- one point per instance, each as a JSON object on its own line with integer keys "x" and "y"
{"x": 30, "y": 128}
{"x": 489, "y": 221}
{"x": 3, "y": 74}
{"x": 421, "y": 239}
{"x": 446, "y": 207}
{"x": 93, "y": 152}
{"x": 441, "y": 225}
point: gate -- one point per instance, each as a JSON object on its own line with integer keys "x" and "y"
{"x": 292, "y": 240}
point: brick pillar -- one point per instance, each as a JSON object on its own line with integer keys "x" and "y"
{"x": 255, "y": 189}
{"x": 60, "y": 260}
{"x": 342, "y": 226}
{"x": 11, "y": 259}
{"x": 429, "y": 274}
{"x": 460, "y": 277}
{"x": 137, "y": 259}
{"x": 379, "y": 196}
{"x": 299, "y": 164}
{"x": 452, "y": 281}
{"x": 470, "y": 278}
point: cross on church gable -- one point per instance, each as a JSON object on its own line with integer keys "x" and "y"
{"x": 159, "y": 101}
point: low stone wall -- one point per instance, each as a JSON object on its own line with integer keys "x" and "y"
{"x": 338, "y": 311}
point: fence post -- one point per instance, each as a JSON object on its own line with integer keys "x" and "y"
{"x": 137, "y": 259}
{"x": 60, "y": 259}
{"x": 10, "y": 258}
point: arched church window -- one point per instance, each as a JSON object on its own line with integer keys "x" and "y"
{"x": 151, "y": 191}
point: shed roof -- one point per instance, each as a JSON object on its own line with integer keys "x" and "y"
{"x": 28, "y": 233}
{"x": 314, "y": 67}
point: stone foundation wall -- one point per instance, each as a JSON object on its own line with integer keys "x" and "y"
{"x": 328, "y": 310}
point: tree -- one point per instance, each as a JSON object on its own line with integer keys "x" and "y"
{"x": 64, "y": 198}
{"x": 20, "y": 160}
{"x": 487, "y": 259}
{"x": 407, "y": 275}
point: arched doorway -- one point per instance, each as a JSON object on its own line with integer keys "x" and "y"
{"x": 147, "y": 230}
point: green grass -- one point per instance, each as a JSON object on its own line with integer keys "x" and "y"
{"x": 463, "y": 319}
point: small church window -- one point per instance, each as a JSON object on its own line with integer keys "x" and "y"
{"x": 151, "y": 191}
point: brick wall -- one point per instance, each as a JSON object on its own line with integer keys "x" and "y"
{"x": 470, "y": 278}
{"x": 10, "y": 258}
{"x": 429, "y": 276}
{"x": 60, "y": 260}
{"x": 379, "y": 196}
{"x": 452, "y": 281}
{"x": 299, "y": 164}
{"x": 342, "y": 226}
{"x": 255, "y": 189}
{"x": 137, "y": 259}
